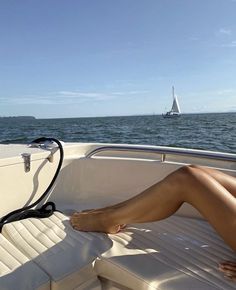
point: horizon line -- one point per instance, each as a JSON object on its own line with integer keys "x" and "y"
{"x": 133, "y": 115}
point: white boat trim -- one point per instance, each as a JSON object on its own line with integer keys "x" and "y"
{"x": 164, "y": 151}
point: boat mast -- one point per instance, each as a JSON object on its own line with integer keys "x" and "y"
{"x": 173, "y": 95}
{"x": 173, "y": 92}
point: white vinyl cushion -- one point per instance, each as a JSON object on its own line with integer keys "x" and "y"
{"x": 16, "y": 269}
{"x": 176, "y": 253}
{"x": 64, "y": 254}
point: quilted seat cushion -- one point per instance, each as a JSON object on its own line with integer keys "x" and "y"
{"x": 176, "y": 253}
{"x": 16, "y": 268}
{"x": 64, "y": 254}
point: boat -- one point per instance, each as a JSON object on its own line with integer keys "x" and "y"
{"x": 175, "y": 110}
{"x": 181, "y": 252}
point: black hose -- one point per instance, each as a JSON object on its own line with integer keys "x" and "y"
{"x": 48, "y": 208}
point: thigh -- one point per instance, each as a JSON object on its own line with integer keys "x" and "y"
{"x": 226, "y": 180}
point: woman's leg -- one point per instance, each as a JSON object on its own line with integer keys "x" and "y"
{"x": 227, "y": 181}
{"x": 209, "y": 191}
{"x": 188, "y": 184}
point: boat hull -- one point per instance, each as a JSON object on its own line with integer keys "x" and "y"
{"x": 98, "y": 175}
{"x": 171, "y": 115}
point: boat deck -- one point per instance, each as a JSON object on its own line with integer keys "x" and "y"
{"x": 176, "y": 253}
{"x": 181, "y": 252}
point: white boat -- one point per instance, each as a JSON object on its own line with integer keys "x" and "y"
{"x": 181, "y": 252}
{"x": 175, "y": 110}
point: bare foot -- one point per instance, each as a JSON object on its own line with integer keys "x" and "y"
{"x": 229, "y": 269}
{"x": 122, "y": 226}
{"x": 95, "y": 221}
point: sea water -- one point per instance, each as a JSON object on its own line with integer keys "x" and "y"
{"x": 215, "y": 132}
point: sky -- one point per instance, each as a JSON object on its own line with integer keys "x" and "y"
{"x": 87, "y": 58}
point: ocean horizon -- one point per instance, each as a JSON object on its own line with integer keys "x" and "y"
{"x": 134, "y": 115}
{"x": 109, "y": 116}
{"x": 207, "y": 131}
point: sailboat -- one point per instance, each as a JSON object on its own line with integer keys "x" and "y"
{"x": 175, "y": 110}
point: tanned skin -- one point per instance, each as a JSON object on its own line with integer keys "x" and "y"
{"x": 209, "y": 191}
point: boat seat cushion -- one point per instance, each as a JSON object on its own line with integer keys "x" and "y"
{"x": 64, "y": 254}
{"x": 15, "y": 268}
{"x": 176, "y": 253}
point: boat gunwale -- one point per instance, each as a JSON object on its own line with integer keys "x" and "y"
{"x": 165, "y": 151}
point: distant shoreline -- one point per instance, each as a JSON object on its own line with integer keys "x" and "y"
{"x": 18, "y": 118}
{"x": 90, "y": 117}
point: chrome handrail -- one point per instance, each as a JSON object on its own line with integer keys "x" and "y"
{"x": 165, "y": 151}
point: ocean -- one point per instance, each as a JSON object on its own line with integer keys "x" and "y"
{"x": 214, "y": 131}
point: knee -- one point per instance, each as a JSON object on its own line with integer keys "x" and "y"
{"x": 195, "y": 167}
{"x": 185, "y": 174}
{"x": 184, "y": 180}
{"x": 187, "y": 171}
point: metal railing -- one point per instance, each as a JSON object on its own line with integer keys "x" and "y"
{"x": 163, "y": 151}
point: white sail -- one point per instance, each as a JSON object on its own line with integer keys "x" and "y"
{"x": 175, "y": 107}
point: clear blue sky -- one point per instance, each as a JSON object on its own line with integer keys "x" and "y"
{"x": 78, "y": 58}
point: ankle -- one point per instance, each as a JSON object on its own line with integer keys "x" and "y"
{"x": 111, "y": 216}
